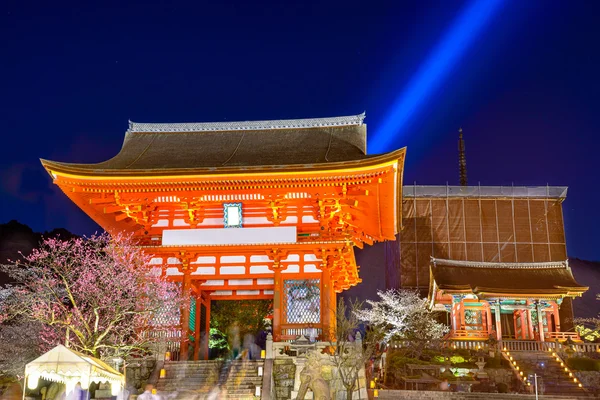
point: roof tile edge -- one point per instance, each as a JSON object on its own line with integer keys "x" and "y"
{"x": 483, "y": 264}
{"x": 141, "y": 127}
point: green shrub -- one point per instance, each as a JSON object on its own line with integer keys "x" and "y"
{"x": 464, "y": 353}
{"x": 583, "y": 364}
{"x": 496, "y": 362}
{"x": 502, "y": 387}
{"x": 397, "y": 361}
{"x": 465, "y": 364}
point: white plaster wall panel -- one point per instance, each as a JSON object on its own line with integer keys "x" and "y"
{"x": 180, "y": 222}
{"x": 291, "y": 269}
{"x": 311, "y": 268}
{"x": 156, "y": 261}
{"x": 255, "y": 221}
{"x": 292, "y": 257}
{"x": 260, "y": 269}
{"x": 161, "y": 222}
{"x": 311, "y": 257}
{"x": 173, "y": 271}
{"x": 219, "y": 236}
{"x": 247, "y": 292}
{"x": 292, "y": 219}
{"x": 240, "y": 282}
{"x": 233, "y": 270}
{"x": 204, "y": 271}
{"x": 214, "y": 282}
{"x": 212, "y": 221}
{"x": 233, "y": 259}
{"x": 263, "y": 258}
{"x": 173, "y": 260}
{"x": 222, "y": 293}
{"x": 267, "y": 291}
{"x": 265, "y": 282}
{"x": 308, "y": 219}
{"x": 205, "y": 260}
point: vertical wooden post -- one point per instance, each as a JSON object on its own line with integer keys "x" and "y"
{"x": 540, "y": 322}
{"x": 207, "y": 330}
{"x": 488, "y": 318}
{"x": 277, "y": 302}
{"x": 524, "y": 325}
{"x": 498, "y": 323}
{"x": 515, "y": 323}
{"x": 333, "y": 312}
{"x": 197, "y": 327}
{"x": 455, "y": 323}
{"x": 462, "y": 314}
{"x": 185, "y": 316}
{"x": 529, "y": 321}
{"x": 326, "y": 303}
{"x": 556, "y": 316}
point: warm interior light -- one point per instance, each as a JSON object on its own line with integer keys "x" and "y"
{"x": 372, "y": 385}
{"x": 257, "y": 391}
{"x": 32, "y": 381}
{"x": 376, "y": 393}
{"x": 263, "y": 353}
{"x": 85, "y": 382}
{"x": 168, "y": 356}
{"x": 115, "y": 388}
{"x": 163, "y": 373}
{"x": 260, "y": 371}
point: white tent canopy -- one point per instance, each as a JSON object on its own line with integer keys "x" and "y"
{"x": 67, "y": 366}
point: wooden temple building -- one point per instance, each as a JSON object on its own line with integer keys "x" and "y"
{"x": 517, "y": 301}
{"x": 275, "y": 210}
{"x": 247, "y": 210}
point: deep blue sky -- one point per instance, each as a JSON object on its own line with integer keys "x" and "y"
{"x": 525, "y": 90}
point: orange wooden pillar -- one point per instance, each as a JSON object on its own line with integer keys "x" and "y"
{"x": 462, "y": 314}
{"x": 277, "y": 302}
{"x": 530, "y": 321}
{"x": 556, "y": 316}
{"x": 206, "y": 338}
{"x": 540, "y": 322}
{"x": 498, "y": 318}
{"x": 488, "y": 318}
{"x": 326, "y": 304}
{"x": 197, "y": 329}
{"x": 185, "y": 317}
{"x": 333, "y": 312}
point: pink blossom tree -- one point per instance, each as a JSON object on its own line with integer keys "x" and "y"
{"x": 99, "y": 294}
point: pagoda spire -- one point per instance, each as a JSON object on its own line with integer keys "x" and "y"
{"x": 462, "y": 158}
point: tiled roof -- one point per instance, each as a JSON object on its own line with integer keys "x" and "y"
{"x": 246, "y": 125}
{"x": 485, "y": 278}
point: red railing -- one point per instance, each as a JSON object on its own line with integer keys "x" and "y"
{"x": 563, "y": 336}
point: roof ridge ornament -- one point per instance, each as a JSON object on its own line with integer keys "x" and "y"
{"x": 143, "y": 127}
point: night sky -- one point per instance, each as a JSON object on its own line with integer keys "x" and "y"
{"x": 520, "y": 77}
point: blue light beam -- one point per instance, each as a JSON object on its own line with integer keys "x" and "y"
{"x": 462, "y": 33}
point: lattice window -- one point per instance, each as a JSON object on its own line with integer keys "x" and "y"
{"x": 302, "y": 301}
{"x": 167, "y": 316}
{"x": 473, "y": 320}
{"x": 534, "y": 317}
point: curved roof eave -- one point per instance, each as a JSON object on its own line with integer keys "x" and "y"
{"x": 91, "y": 170}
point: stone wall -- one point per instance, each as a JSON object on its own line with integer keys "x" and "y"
{"x": 590, "y": 380}
{"x": 424, "y": 395}
{"x": 137, "y": 374}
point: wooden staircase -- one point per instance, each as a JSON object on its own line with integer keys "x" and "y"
{"x": 194, "y": 380}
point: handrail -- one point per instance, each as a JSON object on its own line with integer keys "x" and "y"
{"x": 518, "y": 373}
